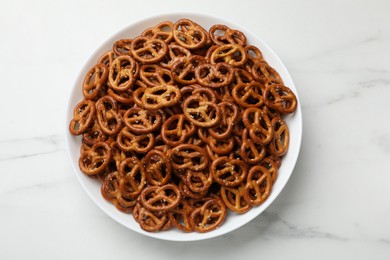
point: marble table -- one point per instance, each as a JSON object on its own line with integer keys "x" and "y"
{"x": 336, "y": 204}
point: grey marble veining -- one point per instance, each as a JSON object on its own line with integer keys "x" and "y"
{"x": 20, "y": 148}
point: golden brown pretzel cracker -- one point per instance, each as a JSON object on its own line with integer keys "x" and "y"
{"x": 280, "y": 98}
{"x": 249, "y": 95}
{"x": 258, "y": 186}
{"x": 148, "y": 51}
{"x": 209, "y": 216}
{"x": 232, "y": 54}
{"x": 110, "y": 191}
{"x": 272, "y": 167}
{"x": 229, "y": 117}
{"x": 151, "y": 221}
{"x": 108, "y": 115}
{"x": 94, "y": 134}
{"x": 251, "y": 152}
{"x": 107, "y": 58}
{"x": 142, "y": 121}
{"x": 198, "y": 181}
{"x": 160, "y": 97}
{"x": 264, "y": 73}
{"x": 233, "y": 197}
{"x": 153, "y": 75}
{"x": 189, "y": 34}
{"x": 122, "y": 47}
{"x": 83, "y": 116}
{"x": 180, "y": 216}
{"x": 258, "y": 124}
{"x": 94, "y": 80}
{"x": 222, "y": 34}
{"x": 181, "y": 125}
{"x": 160, "y": 198}
{"x": 188, "y": 157}
{"x": 228, "y": 172}
{"x": 162, "y": 31}
{"x": 175, "y": 52}
{"x": 214, "y": 75}
{"x": 183, "y": 70}
{"x": 158, "y": 168}
{"x": 96, "y": 159}
{"x": 131, "y": 142}
{"x": 123, "y": 72}
{"x": 281, "y": 137}
{"x": 177, "y": 129}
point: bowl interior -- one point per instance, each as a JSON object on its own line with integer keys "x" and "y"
{"x": 233, "y": 221}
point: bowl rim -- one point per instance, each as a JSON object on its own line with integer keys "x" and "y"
{"x": 190, "y": 15}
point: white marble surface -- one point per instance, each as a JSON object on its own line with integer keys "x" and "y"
{"x": 336, "y": 204}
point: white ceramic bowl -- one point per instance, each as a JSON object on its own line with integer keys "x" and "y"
{"x": 233, "y": 221}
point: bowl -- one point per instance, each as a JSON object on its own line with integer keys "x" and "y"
{"x": 233, "y": 220}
